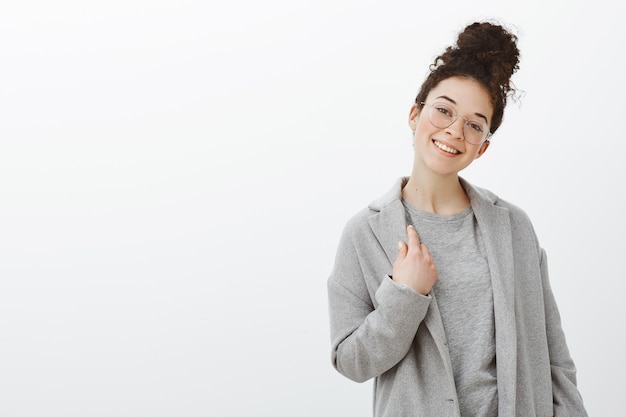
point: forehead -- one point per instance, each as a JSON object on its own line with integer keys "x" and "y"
{"x": 467, "y": 95}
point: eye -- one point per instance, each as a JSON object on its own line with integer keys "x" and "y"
{"x": 444, "y": 110}
{"x": 476, "y": 126}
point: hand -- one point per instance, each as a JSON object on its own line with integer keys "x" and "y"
{"x": 414, "y": 266}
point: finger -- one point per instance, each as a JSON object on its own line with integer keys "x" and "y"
{"x": 414, "y": 239}
{"x": 425, "y": 250}
{"x": 402, "y": 249}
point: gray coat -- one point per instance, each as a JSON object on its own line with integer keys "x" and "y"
{"x": 388, "y": 332}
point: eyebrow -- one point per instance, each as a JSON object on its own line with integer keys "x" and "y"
{"x": 454, "y": 102}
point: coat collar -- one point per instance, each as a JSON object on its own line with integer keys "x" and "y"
{"x": 388, "y": 223}
{"x": 389, "y": 219}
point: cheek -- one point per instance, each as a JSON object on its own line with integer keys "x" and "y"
{"x": 423, "y": 128}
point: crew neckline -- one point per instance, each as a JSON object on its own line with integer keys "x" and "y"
{"x": 438, "y": 217}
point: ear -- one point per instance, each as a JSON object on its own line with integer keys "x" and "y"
{"x": 413, "y": 116}
{"x": 483, "y": 149}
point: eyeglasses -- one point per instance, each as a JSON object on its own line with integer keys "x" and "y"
{"x": 442, "y": 115}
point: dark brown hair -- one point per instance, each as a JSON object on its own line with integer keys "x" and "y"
{"x": 485, "y": 52}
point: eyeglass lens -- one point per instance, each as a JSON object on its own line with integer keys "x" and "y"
{"x": 442, "y": 116}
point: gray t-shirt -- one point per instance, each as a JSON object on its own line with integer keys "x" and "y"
{"x": 465, "y": 299}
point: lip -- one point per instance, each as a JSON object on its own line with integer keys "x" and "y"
{"x": 448, "y": 154}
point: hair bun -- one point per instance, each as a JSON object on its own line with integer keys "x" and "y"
{"x": 489, "y": 44}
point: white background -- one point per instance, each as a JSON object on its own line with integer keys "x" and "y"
{"x": 174, "y": 177}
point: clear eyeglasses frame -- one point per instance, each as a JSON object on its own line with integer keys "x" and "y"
{"x": 442, "y": 115}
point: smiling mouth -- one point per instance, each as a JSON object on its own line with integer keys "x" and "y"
{"x": 446, "y": 148}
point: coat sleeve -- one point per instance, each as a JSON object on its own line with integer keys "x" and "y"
{"x": 368, "y": 340}
{"x": 566, "y": 397}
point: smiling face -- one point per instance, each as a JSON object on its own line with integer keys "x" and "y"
{"x": 444, "y": 151}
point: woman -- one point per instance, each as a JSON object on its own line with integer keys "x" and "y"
{"x": 440, "y": 289}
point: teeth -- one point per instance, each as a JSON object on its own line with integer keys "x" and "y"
{"x": 445, "y": 148}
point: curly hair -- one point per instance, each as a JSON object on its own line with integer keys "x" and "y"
{"x": 485, "y": 52}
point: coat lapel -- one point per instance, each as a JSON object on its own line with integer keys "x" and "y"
{"x": 495, "y": 226}
{"x": 389, "y": 227}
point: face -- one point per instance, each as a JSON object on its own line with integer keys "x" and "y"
{"x": 445, "y": 151}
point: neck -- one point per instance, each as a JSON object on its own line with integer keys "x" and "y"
{"x": 438, "y": 195}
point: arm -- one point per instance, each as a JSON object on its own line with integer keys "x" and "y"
{"x": 368, "y": 341}
{"x": 566, "y": 397}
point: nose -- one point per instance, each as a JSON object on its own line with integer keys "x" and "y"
{"x": 457, "y": 128}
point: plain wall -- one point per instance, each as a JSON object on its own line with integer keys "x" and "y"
{"x": 175, "y": 175}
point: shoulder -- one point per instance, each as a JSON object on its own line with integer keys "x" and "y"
{"x": 483, "y": 196}
{"x": 516, "y": 212}
{"x": 518, "y": 222}
{"x": 359, "y": 223}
